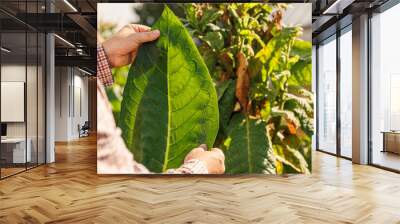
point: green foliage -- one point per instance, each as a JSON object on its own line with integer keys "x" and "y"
{"x": 277, "y": 64}
{"x": 169, "y": 103}
{"x": 247, "y": 147}
{"x": 149, "y": 13}
{"x": 226, "y": 103}
{"x": 115, "y": 92}
{"x": 280, "y": 105}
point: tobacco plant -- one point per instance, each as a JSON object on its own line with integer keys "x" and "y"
{"x": 169, "y": 102}
{"x": 262, "y": 72}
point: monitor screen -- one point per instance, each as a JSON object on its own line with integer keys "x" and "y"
{"x": 3, "y": 129}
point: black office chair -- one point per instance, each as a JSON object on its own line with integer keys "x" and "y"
{"x": 84, "y": 130}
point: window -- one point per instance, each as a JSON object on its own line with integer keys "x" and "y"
{"x": 385, "y": 89}
{"x": 346, "y": 93}
{"x": 327, "y": 96}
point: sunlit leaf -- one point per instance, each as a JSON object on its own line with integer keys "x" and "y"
{"x": 170, "y": 103}
{"x": 226, "y": 104}
{"x": 214, "y": 39}
{"x": 249, "y": 149}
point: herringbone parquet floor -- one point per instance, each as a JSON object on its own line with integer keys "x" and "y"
{"x": 70, "y": 191}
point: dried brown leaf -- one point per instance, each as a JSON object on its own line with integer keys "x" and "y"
{"x": 243, "y": 80}
{"x": 277, "y": 19}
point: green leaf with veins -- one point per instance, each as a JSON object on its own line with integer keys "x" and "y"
{"x": 248, "y": 148}
{"x": 226, "y": 104}
{"x": 169, "y": 104}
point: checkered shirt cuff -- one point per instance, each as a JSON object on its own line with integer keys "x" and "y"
{"x": 193, "y": 166}
{"x": 104, "y": 74}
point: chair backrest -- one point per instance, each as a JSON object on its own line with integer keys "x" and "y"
{"x": 86, "y": 124}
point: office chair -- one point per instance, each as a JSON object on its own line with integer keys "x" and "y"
{"x": 84, "y": 130}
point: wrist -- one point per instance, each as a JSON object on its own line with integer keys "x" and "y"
{"x": 104, "y": 73}
{"x": 192, "y": 166}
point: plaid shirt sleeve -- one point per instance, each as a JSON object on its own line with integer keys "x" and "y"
{"x": 104, "y": 74}
{"x": 193, "y": 166}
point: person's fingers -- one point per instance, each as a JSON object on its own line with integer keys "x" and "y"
{"x": 140, "y": 28}
{"x": 203, "y": 146}
{"x": 132, "y": 28}
{"x": 219, "y": 155}
{"x": 143, "y": 37}
{"x": 194, "y": 153}
{"x": 218, "y": 152}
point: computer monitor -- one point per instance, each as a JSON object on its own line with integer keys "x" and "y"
{"x": 3, "y": 129}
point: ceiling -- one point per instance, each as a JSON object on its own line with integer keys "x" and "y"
{"x": 330, "y": 15}
{"x": 75, "y": 21}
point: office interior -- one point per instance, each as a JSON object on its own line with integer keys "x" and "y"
{"x": 48, "y": 83}
{"x": 357, "y": 81}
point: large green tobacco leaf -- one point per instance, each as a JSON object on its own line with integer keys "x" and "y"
{"x": 226, "y": 104}
{"x": 248, "y": 149}
{"x": 169, "y": 104}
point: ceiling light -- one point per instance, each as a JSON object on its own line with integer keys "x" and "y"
{"x": 337, "y": 7}
{"x": 70, "y": 5}
{"x": 84, "y": 71}
{"x": 5, "y": 50}
{"x": 65, "y": 41}
{"x": 79, "y": 51}
{"x": 326, "y": 11}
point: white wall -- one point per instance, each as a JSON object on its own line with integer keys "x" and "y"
{"x": 71, "y": 94}
{"x": 33, "y": 127}
{"x": 13, "y": 73}
{"x": 62, "y": 81}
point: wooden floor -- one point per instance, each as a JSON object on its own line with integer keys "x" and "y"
{"x": 10, "y": 171}
{"x": 69, "y": 191}
{"x": 387, "y": 159}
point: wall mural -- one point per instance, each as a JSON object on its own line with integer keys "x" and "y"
{"x": 222, "y": 89}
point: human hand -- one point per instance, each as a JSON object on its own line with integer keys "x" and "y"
{"x": 214, "y": 159}
{"x": 122, "y": 48}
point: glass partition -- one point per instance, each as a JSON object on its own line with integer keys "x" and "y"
{"x": 13, "y": 94}
{"x": 22, "y": 77}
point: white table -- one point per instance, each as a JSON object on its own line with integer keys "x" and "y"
{"x": 19, "y": 155}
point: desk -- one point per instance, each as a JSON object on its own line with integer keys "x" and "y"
{"x": 17, "y": 150}
{"x": 391, "y": 141}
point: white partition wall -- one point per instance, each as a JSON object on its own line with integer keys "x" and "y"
{"x": 71, "y": 102}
